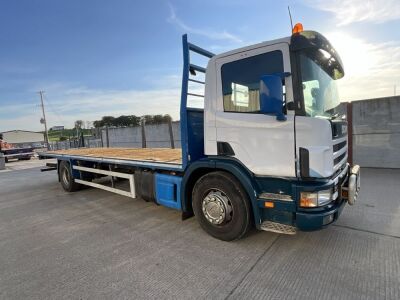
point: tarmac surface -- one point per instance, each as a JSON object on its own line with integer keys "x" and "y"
{"x": 95, "y": 245}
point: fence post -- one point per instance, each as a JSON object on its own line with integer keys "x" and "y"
{"x": 107, "y": 139}
{"x": 350, "y": 132}
{"x": 143, "y": 135}
{"x": 81, "y": 140}
{"x": 171, "y": 134}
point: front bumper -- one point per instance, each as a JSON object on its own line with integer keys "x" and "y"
{"x": 348, "y": 191}
{"x": 283, "y": 208}
{"x": 309, "y": 221}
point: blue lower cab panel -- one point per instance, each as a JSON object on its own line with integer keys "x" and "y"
{"x": 303, "y": 220}
{"x": 278, "y": 216}
{"x": 168, "y": 190}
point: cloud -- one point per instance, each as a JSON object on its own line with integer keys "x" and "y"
{"x": 371, "y": 69}
{"x": 211, "y": 34}
{"x": 352, "y": 11}
{"x": 65, "y": 104}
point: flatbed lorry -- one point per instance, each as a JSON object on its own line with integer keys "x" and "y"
{"x": 11, "y": 152}
{"x": 269, "y": 148}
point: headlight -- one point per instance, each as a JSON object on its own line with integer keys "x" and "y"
{"x": 324, "y": 197}
{"x": 315, "y": 199}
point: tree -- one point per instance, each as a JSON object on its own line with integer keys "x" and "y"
{"x": 78, "y": 124}
{"x": 131, "y": 120}
{"x": 158, "y": 119}
{"x": 122, "y": 121}
{"x": 98, "y": 124}
{"x": 134, "y": 120}
{"x": 147, "y": 119}
{"x": 108, "y": 120}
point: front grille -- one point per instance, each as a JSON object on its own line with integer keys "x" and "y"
{"x": 339, "y": 143}
{"x": 338, "y": 159}
{"x": 339, "y": 146}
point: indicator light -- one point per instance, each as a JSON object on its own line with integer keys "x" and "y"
{"x": 269, "y": 204}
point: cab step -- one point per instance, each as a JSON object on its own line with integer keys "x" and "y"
{"x": 278, "y": 228}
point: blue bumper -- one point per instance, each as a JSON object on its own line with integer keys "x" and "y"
{"x": 309, "y": 221}
{"x": 286, "y": 210}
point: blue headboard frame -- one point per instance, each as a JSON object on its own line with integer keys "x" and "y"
{"x": 187, "y": 69}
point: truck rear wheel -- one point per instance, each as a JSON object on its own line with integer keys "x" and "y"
{"x": 221, "y": 206}
{"x": 67, "y": 180}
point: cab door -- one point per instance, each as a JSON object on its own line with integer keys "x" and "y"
{"x": 261, "y": 142}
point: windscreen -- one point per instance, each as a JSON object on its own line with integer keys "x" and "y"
{"x": 318, "y": 81}
{"x": 319, "y": 67}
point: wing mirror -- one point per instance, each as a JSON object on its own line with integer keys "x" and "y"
{"x": 271, "y": 95}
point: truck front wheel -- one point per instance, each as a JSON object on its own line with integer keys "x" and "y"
{"x": 221, "y": 206}
{"x": 67, "y": 180}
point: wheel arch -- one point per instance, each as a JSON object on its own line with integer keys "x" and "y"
{"x": 75, "y": 173}
{"x": 197, "y": 169}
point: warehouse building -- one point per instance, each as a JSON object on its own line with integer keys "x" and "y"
{"x": 56, "y": 128}
{"x": 23, "y": 138}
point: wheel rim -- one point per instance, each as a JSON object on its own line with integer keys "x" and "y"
{"x": 65, "y": 176}
{"x": 217, "y": 208}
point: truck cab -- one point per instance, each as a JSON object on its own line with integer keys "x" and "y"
{"x": 267, "y": 146}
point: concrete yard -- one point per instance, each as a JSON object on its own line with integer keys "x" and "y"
{"x": 94, "y": 244}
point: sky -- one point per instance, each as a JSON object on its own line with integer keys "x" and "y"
{"x": 99, "y": 57}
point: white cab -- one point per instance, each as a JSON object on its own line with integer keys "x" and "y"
{"x": 262, "y": 143}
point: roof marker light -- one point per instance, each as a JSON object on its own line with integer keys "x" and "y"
{"x": 297, "y": 28}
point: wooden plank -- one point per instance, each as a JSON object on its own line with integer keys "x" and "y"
{"x": 164, "y": 155}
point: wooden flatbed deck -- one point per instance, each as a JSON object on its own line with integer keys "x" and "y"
{"x": 159, "y": 155}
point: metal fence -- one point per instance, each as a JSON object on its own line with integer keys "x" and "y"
{"x": 145, "y": 136}
{"x": 87, "y": 141}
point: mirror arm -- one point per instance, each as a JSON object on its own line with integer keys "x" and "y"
{"x": 281, "y": 117}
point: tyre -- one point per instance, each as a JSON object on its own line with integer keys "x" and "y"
{"x": 67, "y": 180}
{"x": 221, "y": 206}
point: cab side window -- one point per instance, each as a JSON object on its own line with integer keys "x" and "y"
{"x": 241, "y": 80}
